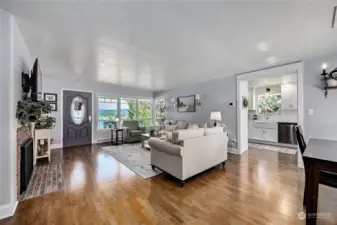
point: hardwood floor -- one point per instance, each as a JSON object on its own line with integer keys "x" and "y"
{"x": 260, "y": 187}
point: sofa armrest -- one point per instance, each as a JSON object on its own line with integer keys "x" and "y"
{"x": 126, "y": 132}
{"x": 165, "y": 146}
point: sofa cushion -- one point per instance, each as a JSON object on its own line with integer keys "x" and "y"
{"x": 170, "y": 127}
{"x": 131, "y": 124}
{"x": 135, "y": 133}
{"x": 202, "y": 125}
{"x": 181, "y": 125}
{"x": 164, "y": 146}
{"x": 192, "y": 126}
{"x": 181, "y": 135}
{"x": 170, "y": 122}
{"x": 213, "y": 130}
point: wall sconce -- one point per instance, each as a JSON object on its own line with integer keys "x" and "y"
{"x": 330, "y": 77}
{"x": 174, "y": 102}
{"x": 197, "y": 100}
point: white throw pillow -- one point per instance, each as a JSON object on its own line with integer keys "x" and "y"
{"x": 213, "y": 130}
{"x": 192, "y": 126}
{"x": 170, "y": 128}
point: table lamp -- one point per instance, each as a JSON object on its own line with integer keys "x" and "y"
{"x": 215, "y": 116}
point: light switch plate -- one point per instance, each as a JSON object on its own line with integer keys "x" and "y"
{"x": 310, "y": 111}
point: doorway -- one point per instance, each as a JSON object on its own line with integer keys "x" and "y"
{"x": 77, "y": 118}
{"x": 242, "y": 87}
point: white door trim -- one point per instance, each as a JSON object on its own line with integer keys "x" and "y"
{"x": 92, "y": 112}
{"x": 296, "y": 67}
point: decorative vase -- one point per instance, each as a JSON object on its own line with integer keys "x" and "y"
{"x": 32, "y": 128}
{"x": 331, "y": 82}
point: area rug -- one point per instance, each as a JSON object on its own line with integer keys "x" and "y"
{"x": 273, "y": 148}
{"x": 135, "y": 158}
{"x": 44, "y": 180}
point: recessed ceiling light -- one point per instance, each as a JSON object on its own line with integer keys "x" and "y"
{"x": 262, "y": 46}
{"x": 271, "y": 60}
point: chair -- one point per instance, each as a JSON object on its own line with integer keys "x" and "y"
{"x": 325, "y": 178}
{"x": 133, "y": 131}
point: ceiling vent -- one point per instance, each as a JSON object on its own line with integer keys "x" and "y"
{"x": 334, "y": 22}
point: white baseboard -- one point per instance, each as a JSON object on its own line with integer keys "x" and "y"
{"x": 53, "y": 146}
{"x": 8, "y": 210}
{"x": 233, "y": 151}
{"x": 104, "y": 140}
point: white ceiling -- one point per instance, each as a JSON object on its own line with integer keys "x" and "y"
{"x": 273, "y": 80}
{"x": 160, "y": 45}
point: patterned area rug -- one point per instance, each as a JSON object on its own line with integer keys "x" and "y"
{"x": 45, "y": 179}
{"x": 135, "y": 158}
{"x": 273, "y": 148}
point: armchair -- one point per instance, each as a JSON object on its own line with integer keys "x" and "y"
{"x": 132, "y": 130}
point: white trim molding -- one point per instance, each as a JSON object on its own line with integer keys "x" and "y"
{"x": 8, "y": 210}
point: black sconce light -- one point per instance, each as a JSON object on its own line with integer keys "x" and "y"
{"x": 330, "y": 77}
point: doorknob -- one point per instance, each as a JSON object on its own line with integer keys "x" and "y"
{"x": 89, "y": 118}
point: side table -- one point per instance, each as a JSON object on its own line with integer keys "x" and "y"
{"x": 117, "y": 131}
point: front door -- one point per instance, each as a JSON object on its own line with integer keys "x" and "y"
{"x": 76, "y": 118}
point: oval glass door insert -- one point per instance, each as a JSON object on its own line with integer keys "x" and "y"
{"x": 77, "y": 110}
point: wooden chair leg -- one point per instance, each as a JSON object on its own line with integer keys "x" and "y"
{"x": 304, "y": 196}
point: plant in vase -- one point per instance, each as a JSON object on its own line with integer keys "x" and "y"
{"x": 45, "y": 122}
{"x": 28, "y": 112}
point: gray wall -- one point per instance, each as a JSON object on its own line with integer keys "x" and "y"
{"x": 323, "y": 123}
{"x": 215, "y": 95}
{"x": 14, "y": 58}
{"x": 54, "y": 85}
{"x": 5, "y": 106}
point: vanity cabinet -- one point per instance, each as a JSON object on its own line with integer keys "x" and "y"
{"x": 289, "y": 96}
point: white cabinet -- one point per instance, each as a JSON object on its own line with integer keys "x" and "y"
{"x": 289, "y": 96}
{"x": 263, "y": 131}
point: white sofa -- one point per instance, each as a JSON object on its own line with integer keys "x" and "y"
{"x": 190, "y": 152}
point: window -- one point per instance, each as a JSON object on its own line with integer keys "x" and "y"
{"x": 145, "y": 111}
{"x": 269, "y": 103}
{"x": 107, "y": 112}
{"x": 128, "y": 110}
{"x": 160, "y": 110}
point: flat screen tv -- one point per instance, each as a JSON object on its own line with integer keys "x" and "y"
{"x": 36, "y": 81}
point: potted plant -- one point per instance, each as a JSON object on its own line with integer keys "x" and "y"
{"x": 45, "y": 122}
{"x": 244, "y": 102}
{"x": 28, "y": 112}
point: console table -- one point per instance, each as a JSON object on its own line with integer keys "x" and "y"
{"x": 40, "y": 135}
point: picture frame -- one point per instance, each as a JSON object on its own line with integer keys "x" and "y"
{"x": 186, "y": 103}
{"x": 39, "y": 96}
{"x": 53, "y": 106}
{"x": 50, "y": 97}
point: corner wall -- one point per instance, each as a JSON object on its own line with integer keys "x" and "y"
{"x": 14, "y": 59}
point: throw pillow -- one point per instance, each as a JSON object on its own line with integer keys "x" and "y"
{"x": 170, "y": 127}
{"x": 181, "y": 125}
{"x": 213, "y": 130}
{"x": 192, "y": 126}
{"x": 203, "y": 125}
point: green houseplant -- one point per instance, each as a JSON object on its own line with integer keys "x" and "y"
{"x": 28, "y": 111}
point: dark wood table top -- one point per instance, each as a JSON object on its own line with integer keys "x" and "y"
{"x": 321, "y": 149}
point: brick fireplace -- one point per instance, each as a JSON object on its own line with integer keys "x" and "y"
{"x": 22, "y": 135}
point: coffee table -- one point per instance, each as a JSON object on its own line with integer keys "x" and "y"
{"x": 145, "y": 138}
